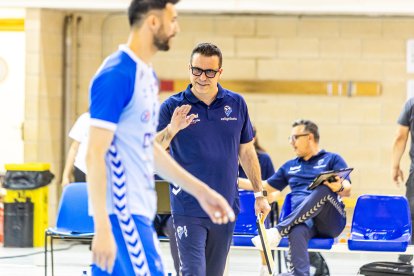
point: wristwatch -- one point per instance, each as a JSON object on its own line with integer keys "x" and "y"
{"x": 262, "y": 193}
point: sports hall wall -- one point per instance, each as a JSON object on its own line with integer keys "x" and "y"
{"x": 255, "y": 48}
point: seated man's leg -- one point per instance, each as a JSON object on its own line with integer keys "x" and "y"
{"x": 299, "y": 237}
{"x": 191, "y": 233}
{"x": 331, "y": 220}
{"x": 322, "y": 197}
{"x": 319, "y": 199}
{"x": 145, "y": 244}
{"x": 219, "y": 239}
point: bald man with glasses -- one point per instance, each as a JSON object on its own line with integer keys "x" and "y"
{"x": 208, "y": 130}
{"x": 316, "y": 213}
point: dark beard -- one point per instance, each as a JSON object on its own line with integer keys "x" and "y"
{"x": 161, "y": 42}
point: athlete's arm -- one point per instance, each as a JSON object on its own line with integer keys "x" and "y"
{"x": 103, "y": 243}
{"x": 251, "y": 166}
{"x": 398, "y": 149}
{"x": 179, "y": 121}
{"x": 212, "y": 203}
{"x": 70, "y": 160}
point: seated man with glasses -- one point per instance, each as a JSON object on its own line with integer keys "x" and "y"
{"x": 319, "y": 212}
{"x": 213, "y": 132}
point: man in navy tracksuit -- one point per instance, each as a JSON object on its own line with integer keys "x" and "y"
{"x": 319, "y": 212}
{"x": 214, "y": 133}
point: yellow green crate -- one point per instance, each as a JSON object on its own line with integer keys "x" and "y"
{"x": 28, "y": 167}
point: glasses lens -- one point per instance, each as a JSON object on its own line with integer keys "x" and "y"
{"x": 196, "y": 71}
{"x": 210, "y": 73}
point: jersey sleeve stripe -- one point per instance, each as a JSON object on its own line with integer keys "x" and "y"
{"x": 103, "y": 124}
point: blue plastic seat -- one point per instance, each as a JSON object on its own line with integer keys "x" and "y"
{"x": 314, "y": 243}
{"x": 381, "y": 223}
{"x": 73, "y": 221}
{"x": 246, "y": 220}
{"x": 245, "y": 228}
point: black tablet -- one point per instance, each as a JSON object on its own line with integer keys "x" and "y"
{"x": 342, "y": 173}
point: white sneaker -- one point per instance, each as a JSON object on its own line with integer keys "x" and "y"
{"x": 273, "y": 237}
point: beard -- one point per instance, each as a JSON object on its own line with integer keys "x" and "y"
{"x": 161, "y": 41}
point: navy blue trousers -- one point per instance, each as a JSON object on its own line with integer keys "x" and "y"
{"x": 202, "y": 245}
{"x": 410, "y": 196}
{"x": 319, "y": 215}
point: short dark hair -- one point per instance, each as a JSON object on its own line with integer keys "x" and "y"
{"x": 309, "y": 126}
{"x": 208, "y": 50}
{"x": 138, "y": 8}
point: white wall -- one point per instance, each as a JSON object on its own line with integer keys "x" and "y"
{"x": 12, "y": 87}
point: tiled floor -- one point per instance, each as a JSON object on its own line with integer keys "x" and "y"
{"x": 242, "y": 262}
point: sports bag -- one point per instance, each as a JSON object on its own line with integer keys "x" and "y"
{"x": 386, "y": 269}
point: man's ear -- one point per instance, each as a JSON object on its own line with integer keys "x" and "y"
{"x": 220, "y": 72}
{"x": 311, "y": 137}
{"x": 154, "y": 22}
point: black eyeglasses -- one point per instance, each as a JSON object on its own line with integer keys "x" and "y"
{"x": 294, "y": 137}
{"x": 210, "y": 73}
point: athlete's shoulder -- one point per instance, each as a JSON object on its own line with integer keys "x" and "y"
{"x": 233, "y": 95}
{"x": 290, "y": 163}
{"x": 119, "y": 63}
{"x": 409, "y": 103}
{"x": 329, "y": 154}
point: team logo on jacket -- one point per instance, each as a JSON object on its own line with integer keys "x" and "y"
{"x": 181, "y": 230}
{"x": 320, "y": 164}
{"x": 195, "y": 120}
{"x": 227, "y": 110}
{"x": 295, "y": 169}
{"x": 145, "y": 116}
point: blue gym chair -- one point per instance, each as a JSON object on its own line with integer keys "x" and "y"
{"x": 73, "y": 221}
{"x": 381, "y": 223}
{"x": 245, "y": 228}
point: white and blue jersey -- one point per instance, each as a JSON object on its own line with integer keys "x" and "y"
{"x": 124, "y": 99}
{"x": 299, "y": 173}
{"x": 209, "y": 147}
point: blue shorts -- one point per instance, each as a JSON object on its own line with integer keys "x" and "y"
{"x": 137, "y": 253}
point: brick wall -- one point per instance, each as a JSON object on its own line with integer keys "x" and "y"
{"x": 262, "y": 47}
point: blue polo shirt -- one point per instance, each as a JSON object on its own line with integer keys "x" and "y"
{"x": 406, "y": 118}
{"x": 299, "y": 173}
{"x": 209, "y": 147}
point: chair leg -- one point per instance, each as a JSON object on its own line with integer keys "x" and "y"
{"x": 51, "y": 252}
{"x": 45, "y": 253}
{"x": 279, "y": 262}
